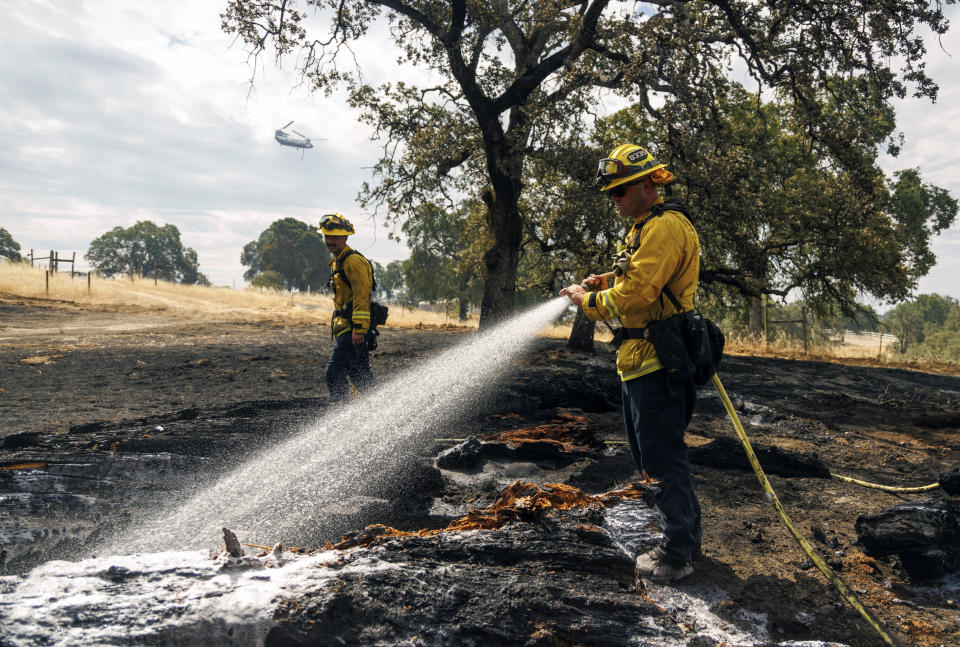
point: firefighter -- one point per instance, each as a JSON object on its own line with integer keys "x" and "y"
{"x": 351, "y": 277}
{"x": 661, "y": 253}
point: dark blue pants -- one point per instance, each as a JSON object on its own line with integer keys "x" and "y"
{"x": 348, "y": 361}
{"x": 656, "y": 414}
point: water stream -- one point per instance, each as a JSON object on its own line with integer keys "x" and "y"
{"x": 287, "y": 492}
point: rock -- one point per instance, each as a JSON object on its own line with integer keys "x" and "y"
{"x": 727, "y": 453}
{"x": 925, "y": 535}
{"x": 463, "y": 456}
{"x": 950, "y": 481}
{"x": 234, "y": 549}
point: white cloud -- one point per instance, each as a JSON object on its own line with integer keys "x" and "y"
{"x": 114, "y": 111}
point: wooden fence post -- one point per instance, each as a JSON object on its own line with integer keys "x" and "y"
{"x": 46, "y": 282}
{"x": 764, "y": 305}
{"x": 73, "y": 260}
{"x": 803, "y": 322}
{"x": 89, "y": 273}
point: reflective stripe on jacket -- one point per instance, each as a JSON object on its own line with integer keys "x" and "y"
{"x": 668, "y": 255}
{"x": 360, "y": 275}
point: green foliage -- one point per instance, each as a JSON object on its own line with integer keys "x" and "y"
{"x": 571, "y": 228}
{"x": 941, "y": 343}
{"x": 920, "y": 212}
{"x": 390, "y": 283}
{"x": 8, "y": 246}
{"x": 928, "y": 316}
{"x": 291, "y": 249}
{"x": 441, "y": 265}
{"x": 269, "y": 279}
{"x": 865, "y": 319}
{"x": 146, "y": 249}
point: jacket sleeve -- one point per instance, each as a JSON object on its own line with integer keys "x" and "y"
{"x": 651, "y": 267}
{"x": 359, "y": 273}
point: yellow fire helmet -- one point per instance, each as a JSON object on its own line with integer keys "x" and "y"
{"x": 334, "y": 224}
{"x": 626, "y": 163}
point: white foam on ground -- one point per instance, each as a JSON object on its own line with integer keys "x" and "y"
{"x": 187, "y": 598}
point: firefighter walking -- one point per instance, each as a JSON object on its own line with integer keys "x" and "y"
{"x": 351, "y": 276}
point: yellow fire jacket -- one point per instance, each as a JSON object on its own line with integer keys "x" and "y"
{"x": 668, "y": 255}
{"x": 360, "y": 276}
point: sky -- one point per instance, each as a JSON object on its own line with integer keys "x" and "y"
{"x": 114, "y": 111}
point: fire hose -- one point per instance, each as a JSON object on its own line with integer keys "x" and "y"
{"x": 821, "y": 565}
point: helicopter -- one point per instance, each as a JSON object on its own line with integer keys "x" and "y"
{"x": 286, "y": 140}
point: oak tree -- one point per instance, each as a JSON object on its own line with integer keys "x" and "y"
{"x": 503, "y": 77}
{"x": 294, "y": 254}
{"x": 145, "y": 249}
{"x": 9, "y": 248}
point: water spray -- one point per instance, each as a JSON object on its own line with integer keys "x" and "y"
{"x": 293, "y": 489}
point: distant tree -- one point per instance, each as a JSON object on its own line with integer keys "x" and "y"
{"x": 8, "y": 246}
{"x": 391, "y": 283}
{"x": 440, "y": 265}
{"x": 941, "y": 343}
{"x": 911, "y": 321}
{"x": 191, "y": 269}
{"x": 292, "y": 249}
{"x": 504, "y": 78}
{"x": 250, "y": 257}
{"x": 269, "y": 279}
{"x": 145, "y": 249}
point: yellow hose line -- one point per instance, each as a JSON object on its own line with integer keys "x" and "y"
{"x": 832, "y": 577}
{"x": 886, "y": 488}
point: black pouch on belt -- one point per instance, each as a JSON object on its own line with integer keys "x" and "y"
{"x": 668, "y": 341}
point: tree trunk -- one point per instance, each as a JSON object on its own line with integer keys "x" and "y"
{"x": 756, "y": 317}
{"x": 581, "y": 336}
{"x": 506, "y": 228}
{"x": 463, "y": 284}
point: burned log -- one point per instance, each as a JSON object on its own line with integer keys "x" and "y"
{"x": 950, "y": 481}
{"x": 925, "y": 535}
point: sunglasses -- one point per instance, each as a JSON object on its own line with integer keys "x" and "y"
{"x": 620, "y": 191}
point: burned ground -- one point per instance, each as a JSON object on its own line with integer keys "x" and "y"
{"x": 119, "y": 386}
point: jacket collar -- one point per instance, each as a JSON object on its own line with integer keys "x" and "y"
{"x": 646, "y": 214}
{"x": 336, "y": 259}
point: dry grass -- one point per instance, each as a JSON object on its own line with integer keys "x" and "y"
{"x": 223, "y": 304}
{"x": 190, "y": 301}
{"x": 854, "y": 351}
